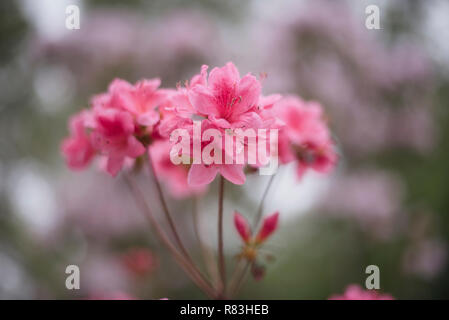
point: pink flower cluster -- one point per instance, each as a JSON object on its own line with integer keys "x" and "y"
{"x": 128, "y": 121}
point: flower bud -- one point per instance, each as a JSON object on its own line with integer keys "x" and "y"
{"x": 242, "y": 227}
{"x": 269, "y": 225}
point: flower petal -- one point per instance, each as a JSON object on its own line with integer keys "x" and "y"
{"x": 201, "y": 175}
{"x": 203, "y": 101}
{"x": 233, "y": 173}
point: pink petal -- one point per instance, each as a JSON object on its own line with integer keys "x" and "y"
{"x": 269, "y": 225}
{"x": 248, "y": 120}
{"x": 201, "y": 175}
{"x": 203, "y": 101}
{"x": 248, "y": 93}
{"x": 134, "y": 148}
{"x": 226, "y": 76}
{"x": 242, "y": 226}
{"x": 149, "y": 118}
{"x": 114, "y": 164}
{"x": 233, "y": 173}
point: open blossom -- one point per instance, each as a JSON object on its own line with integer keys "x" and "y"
{"x": 114, "y": 137}
{"x": 140, "y": 99}
{"x": 77, "y": 149}
{"x": 305, "y": 137}
{"x": 355, "y": 292}
{"x": 226, "y": 99}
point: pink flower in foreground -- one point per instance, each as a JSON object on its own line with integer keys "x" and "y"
{"x": 226, "y": 99}
{"x": 355, "y": 292}
{"x": 202, "y": 174}
{"x": 305, "y": 137}
{"x": 113, "y": 136}
{"x": 77, "y": 149}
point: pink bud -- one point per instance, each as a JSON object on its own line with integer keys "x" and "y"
{"x": 242, "y": 226}
{"x": 269, "y": 225}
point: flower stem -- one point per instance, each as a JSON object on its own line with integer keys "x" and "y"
{"x": 196, "y": 277}
{"x": 262, "y": 203}
{"x": 221, "y": 259}
{"x": 239, "y": 275}
{"x": 167, "y": 211}
{"x": 207, "y": 254}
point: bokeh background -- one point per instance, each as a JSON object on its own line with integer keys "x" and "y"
{"x": 386, "y": 96}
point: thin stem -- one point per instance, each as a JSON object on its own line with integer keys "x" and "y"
{"x": 239, "y": 272}
{"x": 179, "y": 258}
{"x": 166, "y": 210}
{"x": 259, "y": 212}
{"x": 221, "y": 259}
{"x": 208, "y": 256}
{"x": 238, "y": 277}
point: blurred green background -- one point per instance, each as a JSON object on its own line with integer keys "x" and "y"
{"x": 385, "y": 93}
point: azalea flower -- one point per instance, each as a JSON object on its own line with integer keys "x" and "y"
{"x": 77, "y": 149}
{"x": 224, "y": 101}
{"x": 227, "y": 100}
{"x": 305, "y": 137}
{"x": 140, "y": 100}
{"x": 113, "y": 136}
{"x": 355, "y": 292}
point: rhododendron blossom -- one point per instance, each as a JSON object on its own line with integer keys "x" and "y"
{"x": 226, "y": 99}
{"x": 114, "y": 137}
{"x": 217, "y": 124}
{"x": 305, "y": 137}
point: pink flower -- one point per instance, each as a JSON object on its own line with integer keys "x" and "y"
{"x": 141, "y": 99}
{"x": 355, "y": 292}
{"x": 178, "y": 111}
{"x": 174, "y": 176}
{"x": 242, "y": 227}
{"x": 77, "y": 149}
{"x": 305, "y": 137}
{"x": 226, "y": 99}
{"x": 113, "y": 136}
{"x": 269, "y": 225}
{"x": 203, "y": 174}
